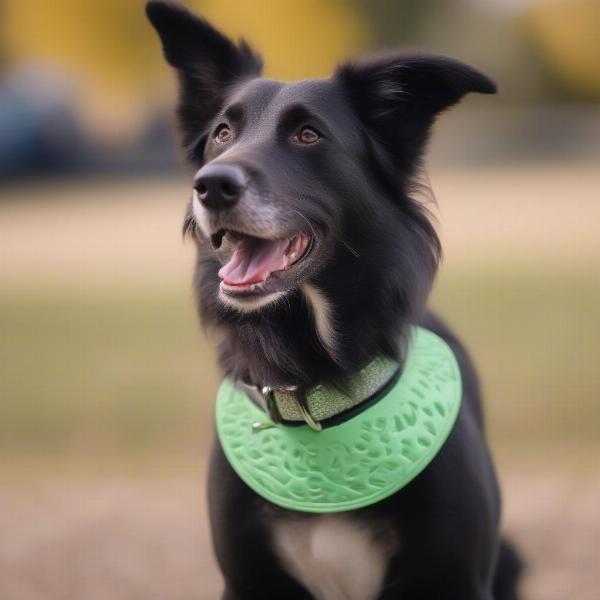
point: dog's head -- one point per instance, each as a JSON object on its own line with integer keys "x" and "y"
{"x": 302, "y": 190}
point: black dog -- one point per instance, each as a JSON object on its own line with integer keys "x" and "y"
{"x": 314, "y": 258}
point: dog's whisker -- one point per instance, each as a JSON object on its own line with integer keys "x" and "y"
{"x": 344, "y": 242}
{"x": 289, "y": 304}
{"x": 189, "y": 226}
{"x": 350, "y": 248}
{"x": 312, "y": 230}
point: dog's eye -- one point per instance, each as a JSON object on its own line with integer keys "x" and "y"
{"x": 223, "y": 134}
{"x": 306, "y": 135}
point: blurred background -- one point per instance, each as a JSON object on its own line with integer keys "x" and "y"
{"x": 107, "y": 380}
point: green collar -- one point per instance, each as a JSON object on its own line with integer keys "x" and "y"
{"x": 324, "y": 405}
{"x": 360, "y": 461}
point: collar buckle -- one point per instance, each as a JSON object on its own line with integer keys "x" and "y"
{"x": 300, "y": 397}
{"x": 306, "y": 414}
{"x": 268, "y": 397}
{"x": 264, "y": 397}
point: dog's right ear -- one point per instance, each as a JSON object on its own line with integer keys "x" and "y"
{"x": 207, "y": 63}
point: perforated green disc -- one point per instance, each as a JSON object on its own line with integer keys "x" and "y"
{"x": 359, "y": 462}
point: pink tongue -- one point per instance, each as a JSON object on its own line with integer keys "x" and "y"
{"x": 254, "y": 260}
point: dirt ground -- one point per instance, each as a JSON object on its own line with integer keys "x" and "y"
{"x": 129, "y": 538}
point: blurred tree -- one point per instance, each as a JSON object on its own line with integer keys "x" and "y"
{"x": 110, "y": 43}
{"x": 566, "y": 37}
{"x": 110, "y": 49}
{"x": 397, "y": 23}
{"x": 104, "y": 45}
{"x": 107, "y": 40}
{"x": 298, "y": 39}
{"x": 3, "y": 47}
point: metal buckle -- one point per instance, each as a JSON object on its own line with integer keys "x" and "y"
{"x": 300, "y": 399}
{"x": 270, "y": 404}
{"x": 305, "y": 412}
{"x": 265, "y": 398}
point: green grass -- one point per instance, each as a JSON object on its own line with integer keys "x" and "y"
{"x": 535, "y": 337}
{"x": 121, "y": 369}
{"x": 118, "y": 368}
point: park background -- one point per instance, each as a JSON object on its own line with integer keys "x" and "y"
{"x": 106, "y": 378}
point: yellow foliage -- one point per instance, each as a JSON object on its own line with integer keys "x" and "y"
{"x": 103, "y": 40}
{"x": 112, "y": 51}
{"x": 299, "y": 39}
{"x": 568, "y": 33}
{"x": 110, "y": 43}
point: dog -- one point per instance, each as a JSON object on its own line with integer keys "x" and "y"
{"x": 315, "y": 257}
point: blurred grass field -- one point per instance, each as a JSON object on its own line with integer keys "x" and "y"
{"x": 107, "y": 380}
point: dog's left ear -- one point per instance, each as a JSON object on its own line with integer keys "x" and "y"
{"x": 207, "y": 63}
{"x": 399, "y": 96}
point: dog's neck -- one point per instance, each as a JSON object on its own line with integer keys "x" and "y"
{"x": 309, "y": 337}
{"x": 286, "y": 347}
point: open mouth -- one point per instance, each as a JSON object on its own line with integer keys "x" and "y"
{"x": 255, "y": 260}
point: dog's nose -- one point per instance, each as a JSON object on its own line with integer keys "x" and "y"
{"x": 219, "y": 187}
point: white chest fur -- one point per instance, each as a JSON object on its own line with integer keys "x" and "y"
{"x": 333, "y": 556}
